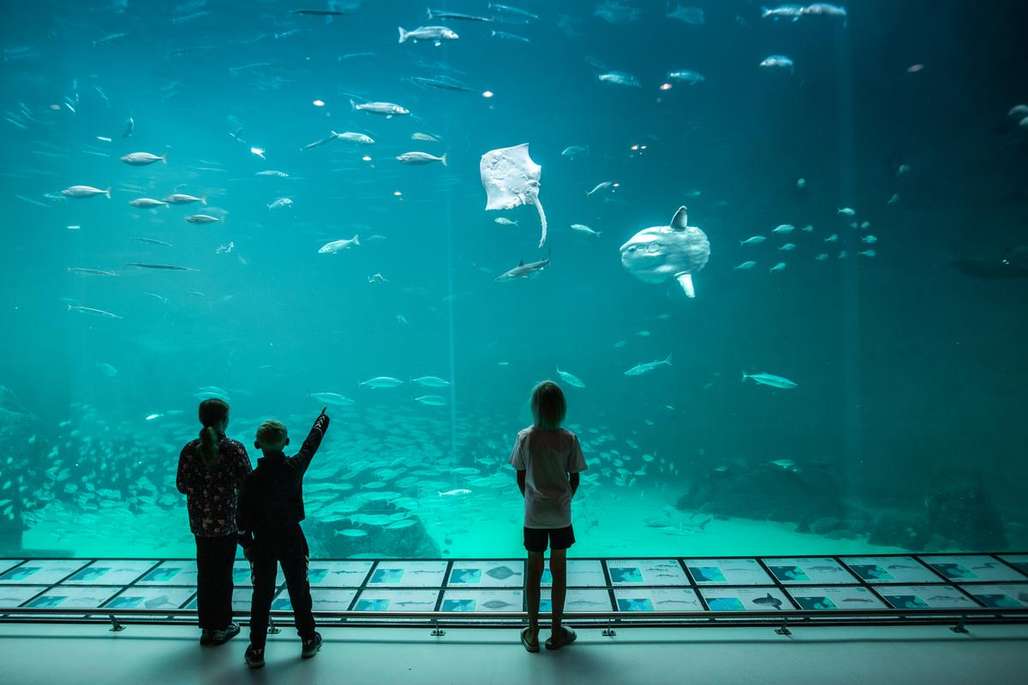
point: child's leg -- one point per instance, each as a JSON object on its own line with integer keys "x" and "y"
{"x": 559, "y": 572}
{"x": 294, "y": 568}
{"x": 264, "y": 568}
{"x": 533, "y": 577}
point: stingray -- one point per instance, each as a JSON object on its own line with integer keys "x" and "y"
{"x": 511, "y": 179}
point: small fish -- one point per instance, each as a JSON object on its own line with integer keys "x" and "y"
{"x": 159, "y": 267}
{"x": 687, "y": 15}
{"x": 258, "y": 152}
{"x": 753, "y": 240}
{"x": 130, "y": 127}
{"x": 603, "y": 185}
{"x": 523, "y": 270}
{"x": 380, "y": 382}
{"x": 387, "y": 109}
{"x": 771, "y": 380}
{"x": 867, "y": 253}
{"x": 431, "y": 381}
{"x": 784, "y": 229}
{"x": 85, "y": 191}
{"x": 793, "y": 12}
{"x": 424, "y": 137}
{"x": 436, "y": 34}
{"x": 352, "y": 532}
{"x": 339, "y": 245}
{"x": 510, "y": 9}
{"x": 86, "y": 271}
{"x": 153, "y": 241}
{"x": 457, "y": 16}
{"x": 582, "y": 228}
{"x": 455, "y": 492}
{"x": 505, "y": 35}
{"x": 869, "y": 239}
{"x": 183, "y": 199}
{"x": 847, "y": 211}
{"x": 745, "y": 266}
{"x": 504, "y": 221}
{"x": 620, "y": 78}
{"x": 431, "y": 400}
{"x": 648, "y": 367}
{"x": 280, "y": 203}
{"x": 788, "y": 247}
{"x": 825, "y": 10}
{"x": 94, "y": 311}
{"x": 272, "y": 172}
{"x": 377, "y": 279}
{"x": 352, "y": 137}
{"x": 202, "y": 219}
{"x": 152, "y": 417}
{"x": 778, "y": 62}
{"x": 143, "y": 158}
{"x": 780, "y": 266}
{"x": 147, "y": 202}
{"x": 686, "y": 76}
{"x": 421, "y": 158}
{"x": 832, "y": 238}
{"x": 572, "y": 151}
{"x": 570, "y": 378}
{"x": 332, "y": 398}
{"x": 822, "y": 256}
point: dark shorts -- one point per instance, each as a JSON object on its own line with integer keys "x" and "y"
{"x": 559, "y": 538}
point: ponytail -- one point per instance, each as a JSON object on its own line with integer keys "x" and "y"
{"x": 209, "y": 445}
{"x": 211, "y": 413}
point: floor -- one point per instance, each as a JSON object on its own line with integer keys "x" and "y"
{"x": 154, "y": 655}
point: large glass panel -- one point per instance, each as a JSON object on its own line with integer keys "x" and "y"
{"x": 285, "y": 205}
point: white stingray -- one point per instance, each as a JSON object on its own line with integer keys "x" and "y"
{"x": 510, "y": 179}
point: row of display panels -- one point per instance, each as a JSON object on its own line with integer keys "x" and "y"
{"x": 584, "y": 573}
{"x": 579, "y": 600}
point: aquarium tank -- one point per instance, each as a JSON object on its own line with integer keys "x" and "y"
{"x": 775, "y": 256}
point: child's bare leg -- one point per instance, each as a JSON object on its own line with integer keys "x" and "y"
{"x": 559, "y": 571}
{"x": 533, "y": 577}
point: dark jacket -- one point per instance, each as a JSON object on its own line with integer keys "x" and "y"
{"x": 211, "y": 490}
{"x": 271, "y": 501}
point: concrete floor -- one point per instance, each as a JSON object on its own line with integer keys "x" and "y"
{"x": 49, "y": 655}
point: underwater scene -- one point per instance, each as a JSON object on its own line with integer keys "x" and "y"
{"x": 774, "y": 254}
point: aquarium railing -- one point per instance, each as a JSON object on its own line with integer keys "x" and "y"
{"x": 955, "y": 589}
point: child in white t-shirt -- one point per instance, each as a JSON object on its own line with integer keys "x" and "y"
{"x": 548, "y": 460}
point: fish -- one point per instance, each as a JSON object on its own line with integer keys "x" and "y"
{"x": 774, "y": 62}
{"x": 431, "y": 382}
{"x": 85, "y": 191}
{"x": 687, "y": 15}
{"x": 202, "y": 219}
{"x": 454, "y": 493}
{"x": 147, "y": 202}
{"x": 424, "y": 137}
{"x": 353, "y": 137}
{"x": 510, "y": 9}
{"x": 332, "y": 398}
{"x": 159, "y": 267}
{"x": 457, "y": 16}
{"x": 780, "y": 266}
{"x": 768, "y": 600}
{"x": 352, "y": 533}
{"x": 152, "y": 241}
{"x": 867, "y": 253}
{"x": 281, "y": 202}
{"x": 436, "y": 34}
{"x": 504, "y": 221}
{"x": 793, "y": 12}
{"x": 431, "y": 400}
{"x": 744, "y": 266}
{"x": 821, "y": 257}
{"x": 387, "y": 109}
{"x": 272, "y": 172}
{"x": 753, "y": 240}
{"x": 602, "y": 185}
{"x": 442, "y": 83}
{"x": 663, "y": 253}
{"x": 506, "y": 35}
{"x": 570, "y": 378}
{"x": 572, "y": 151}
{"x": 648, "y": 367}
{"x": 582, "y": 228}
{"x": 319, "y": 13}
{"x": 869, "y": 239}
{"x": 421, "y": 158}
{"x": 319, "y": 142}
{"x": 130, "y": 127}
{"x": 339, "y": 245}
{"x": 823, "y": 9}
{"x": 379, "y": 382}
{"x": 832, "y": 238}
{"x": 784, "y": 229}
{"x": 620, "y": 78}
{"x": 769, "y": 379}
{"x": 183, "y": 199}
{"x": 94, "y": 311}
{"x": 788, "y": 247}
{"x": 375, "y": 279}
{"x": 89, "y": 272}
{"x": 847, "y": 211}
{"x": 686, "y": 76}
{"x": 143, "y": 158}
{"x": 523, "y": 270}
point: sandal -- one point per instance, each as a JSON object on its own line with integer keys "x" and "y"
{"x": 530, "y": 646}
{"x": 567, "y": 636}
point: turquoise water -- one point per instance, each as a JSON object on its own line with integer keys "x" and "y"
{"x": 902, "y": 337}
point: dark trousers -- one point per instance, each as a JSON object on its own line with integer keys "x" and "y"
{"x": 289, "y": 548}
{"x": 214, "y": 557}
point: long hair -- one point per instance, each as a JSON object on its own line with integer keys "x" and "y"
{"x": 548, "y": 405}
{"x": 212, "y": 412}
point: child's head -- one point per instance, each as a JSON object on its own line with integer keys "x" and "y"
{"x": 548, "y": 405}
{"x": 213, "y": 413}
{"x": 271, "y": 436}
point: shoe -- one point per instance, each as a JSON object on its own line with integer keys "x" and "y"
{"x": 254, "y": 657}
{"x": 206, "y": 638}
{"x": 530, "y": 645}
{"x": 311, "y": 646}
{"x": 220, "y": 637}
{"x": 567, "y": 636}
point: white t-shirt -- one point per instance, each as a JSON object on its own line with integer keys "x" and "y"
{"x": 547, "y": 457}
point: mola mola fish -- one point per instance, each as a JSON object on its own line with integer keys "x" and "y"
{"x": 660, "y": 253}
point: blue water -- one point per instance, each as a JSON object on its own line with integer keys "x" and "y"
{"x": 904, "y": 430}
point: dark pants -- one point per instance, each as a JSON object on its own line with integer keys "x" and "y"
{"x": 214, "y": 557}
{"x": 289, "y": 548}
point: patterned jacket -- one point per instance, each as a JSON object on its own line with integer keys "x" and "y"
{"x": 212, "y": 492}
